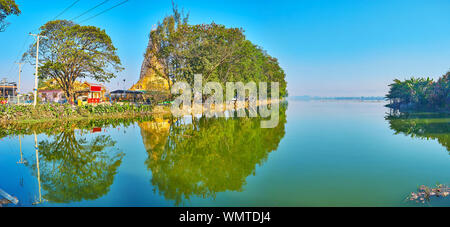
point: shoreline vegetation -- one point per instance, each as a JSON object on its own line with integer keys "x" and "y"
{"x": 27, "y": 114}
{"x": 52, "y": 126}
{"x": 127, "y": 118}
{"x": 420, "y": 94}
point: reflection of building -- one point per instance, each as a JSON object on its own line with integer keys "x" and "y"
{"x": 52, "y": 96}
{"x": 92, "y": 93}
{"x": 8, "y": 89}
{"x": 96, "y": 130}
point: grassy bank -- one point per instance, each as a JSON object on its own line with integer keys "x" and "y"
{"x": 53, "y": 126}
{"x": 55, "y": 112}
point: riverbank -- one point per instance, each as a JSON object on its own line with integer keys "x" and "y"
{"x": 53, "y": 113}
{"x": 21, "y": 114}
{"x": 414, "y": 108}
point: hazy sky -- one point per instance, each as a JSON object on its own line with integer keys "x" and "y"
{"x": 327, "y": 48}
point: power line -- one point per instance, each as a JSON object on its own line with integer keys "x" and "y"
{"x": 28, "y": 37}
{"x": 18, "y": 56}
{"x": 65, "y": 10}
{"x": 104, "y": 11}
{"x": 89, "y": 10}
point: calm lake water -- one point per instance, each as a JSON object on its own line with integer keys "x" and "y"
{"x": 342, "y": 153}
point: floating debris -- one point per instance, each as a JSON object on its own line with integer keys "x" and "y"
{"x": 425, "y": 193}
{"x": 4, "y": 202}
{"x": 7, "y": 198}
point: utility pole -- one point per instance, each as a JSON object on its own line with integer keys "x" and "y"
{"x": 21, "y": 154}
{"x": 4, "y": 85}
{"x": 38, "y": 169}
{"x": 18, "y": 86}
{"x": 38, "y": 37}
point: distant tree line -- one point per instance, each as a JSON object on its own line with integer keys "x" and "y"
{"x": 420, "y": 93}
{"x": 220, "y": 54}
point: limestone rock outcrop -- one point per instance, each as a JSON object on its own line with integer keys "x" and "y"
{"x": 151, "y": 78}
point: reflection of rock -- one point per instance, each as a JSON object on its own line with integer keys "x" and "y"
{"x": 425, "y": 126}
{"x": 156, "y": 133}
{"x": 208, "y": 156}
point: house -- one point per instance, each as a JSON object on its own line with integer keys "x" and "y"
{"x": 8, "y": 89}
{"x": 92, "y": 93}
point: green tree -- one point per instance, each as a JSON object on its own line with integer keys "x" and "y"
{"x": 7, "y": 8}
{"x": 220, "y": 54}
{"x": 420, "y": 93}
{"x": 72, "y": 52}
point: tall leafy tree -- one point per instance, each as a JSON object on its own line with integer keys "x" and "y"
{"x": 7, "y": 8}
{"x": 72, "y": 52}
{"x": 219, "y": 53}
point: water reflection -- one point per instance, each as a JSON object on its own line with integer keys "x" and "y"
{"x": 70, "y": 166}
{"x": 206, "y": 156}
{"x": 428, "y": 126}
{"x": 73, "y": 168}
{"x": 74, "y": 161}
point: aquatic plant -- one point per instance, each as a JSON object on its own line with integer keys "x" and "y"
{"x": 425, "y": 194}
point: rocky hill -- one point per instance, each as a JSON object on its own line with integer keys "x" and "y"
{"x": 151, "y": 71}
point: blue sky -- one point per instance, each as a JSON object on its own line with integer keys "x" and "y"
{"x": 327, "y": 48}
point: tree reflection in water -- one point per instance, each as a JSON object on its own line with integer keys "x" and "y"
{"x": 207, "y": 156}
{"x": 433, "y": 126}
{"x": 74, "y": 168}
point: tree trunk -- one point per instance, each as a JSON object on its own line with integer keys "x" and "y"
{"x": 170, "y": 88}
{"x": 70, "y": 96}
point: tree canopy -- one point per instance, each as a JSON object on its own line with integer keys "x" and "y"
{"x": 220, "y": 54}
{"x": 421, "y": 93}
{"x": 7, "y": 8}
{"x": 71, "y": 51}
